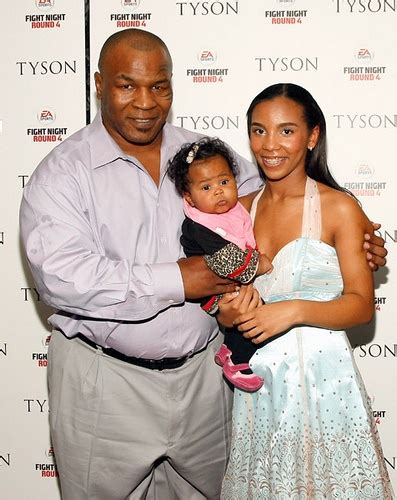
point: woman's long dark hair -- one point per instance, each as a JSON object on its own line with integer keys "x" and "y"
{"x": 316, "y": 165}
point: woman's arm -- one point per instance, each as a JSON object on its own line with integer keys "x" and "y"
{"x": 354, "y": 307}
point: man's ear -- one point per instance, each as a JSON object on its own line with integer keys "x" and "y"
{"x": 98, "y": 84}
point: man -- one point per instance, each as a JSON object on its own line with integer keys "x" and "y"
{"x": 138, "y": 406}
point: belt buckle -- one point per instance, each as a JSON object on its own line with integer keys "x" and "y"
{"x": 162, "y": 364}
{"x": 156, "y": 364}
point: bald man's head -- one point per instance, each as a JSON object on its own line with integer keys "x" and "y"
{"x": 135, "y": 89}
{"x": 135, "y": 38}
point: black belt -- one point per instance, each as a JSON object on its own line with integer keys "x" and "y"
{"x": 152, "y": 364}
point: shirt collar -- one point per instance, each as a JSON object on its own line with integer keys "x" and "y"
{"x": 104, "y": 149}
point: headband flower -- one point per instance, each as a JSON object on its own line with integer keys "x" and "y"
{"x": 192, "y": 154}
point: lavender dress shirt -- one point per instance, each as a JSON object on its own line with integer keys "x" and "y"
{"x": 102, "y": 241}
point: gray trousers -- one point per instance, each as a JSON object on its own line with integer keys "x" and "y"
{"x": 120, "y": 431}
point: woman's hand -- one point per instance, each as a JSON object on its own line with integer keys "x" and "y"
{"x": 236, "y": 303}
{"x": 267, "y": 320}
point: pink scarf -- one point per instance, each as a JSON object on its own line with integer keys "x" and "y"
{"x": 234, "y": 225}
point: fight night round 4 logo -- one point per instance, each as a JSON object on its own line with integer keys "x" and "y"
{"x": 129, "y": 17}
{"x": 286, "y": 14}
{"x": 363, "y": 69}
{"x": 208, "y": 72}
{"x": 45, "y": 19}
{"x": 47, "y": 132}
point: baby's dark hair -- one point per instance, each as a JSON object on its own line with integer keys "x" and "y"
{"x": 207, "y": 147}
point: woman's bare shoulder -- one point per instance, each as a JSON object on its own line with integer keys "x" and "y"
{"x": 340, "y": 204}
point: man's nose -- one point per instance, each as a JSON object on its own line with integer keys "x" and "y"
{"x": 143, "y": 98}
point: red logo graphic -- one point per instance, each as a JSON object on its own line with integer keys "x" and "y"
{"x": 46, "y": 340}
{"x": 46, "y": 115}
{"x": 207, "y": 56}
{"x": 364, "y": 54}
{"x": 50, "y": 452}
{"x": 130, "y": 4}
{"x": 365, "y": 170}
{"x": 45, "y": 4}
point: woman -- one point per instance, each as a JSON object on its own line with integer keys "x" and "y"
{"x": 308, "y": 432}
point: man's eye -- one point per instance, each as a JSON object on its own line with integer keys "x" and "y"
{"x": 161, "y": 88}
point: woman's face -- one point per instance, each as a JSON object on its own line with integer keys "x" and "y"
{"x": 280, "y": 138}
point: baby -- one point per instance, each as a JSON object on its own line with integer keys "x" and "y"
{"x": 219, "y": 227}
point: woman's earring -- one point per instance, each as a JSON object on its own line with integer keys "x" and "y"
{"x": 310, "y": 148}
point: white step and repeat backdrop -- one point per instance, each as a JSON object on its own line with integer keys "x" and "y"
{"x": 224, "y": 53}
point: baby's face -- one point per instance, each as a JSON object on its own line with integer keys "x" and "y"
{"x": 212, "y": 185}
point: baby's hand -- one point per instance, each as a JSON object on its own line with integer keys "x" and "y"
{"x": 264, "y": 266}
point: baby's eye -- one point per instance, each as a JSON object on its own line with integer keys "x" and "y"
{"x": 224, "y": 182}
{"x": 206, "y": 188}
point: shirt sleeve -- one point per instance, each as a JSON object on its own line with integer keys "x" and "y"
{"x": 197, "y": 239}
{"x": 223, "y": 257}
{"x": 234, "y": 263}
{"x": 70, "y": 268}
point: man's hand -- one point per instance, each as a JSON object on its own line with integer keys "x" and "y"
{"x": 375, "y": 247}
{"x": 199, "y": 281}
